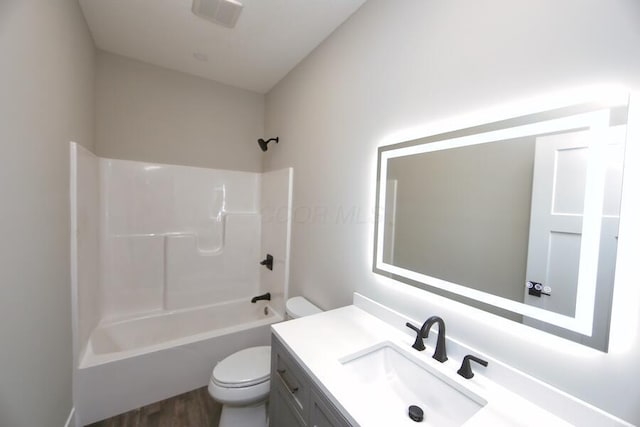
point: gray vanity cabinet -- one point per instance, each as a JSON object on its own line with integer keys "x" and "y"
{"x": 322, "y": 413}
{"x": 295, "y": 400}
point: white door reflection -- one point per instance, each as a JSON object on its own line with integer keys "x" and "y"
{"x": 557, "y": 206}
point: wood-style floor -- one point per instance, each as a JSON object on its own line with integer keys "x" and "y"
{"x": 193, "y": 409}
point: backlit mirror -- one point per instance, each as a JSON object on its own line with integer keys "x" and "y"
{"x": 517, "y": 216}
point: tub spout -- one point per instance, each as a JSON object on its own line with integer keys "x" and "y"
{"x": 266, "y": 297}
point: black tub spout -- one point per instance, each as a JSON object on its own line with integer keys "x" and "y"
{"x": 266, "y": 297}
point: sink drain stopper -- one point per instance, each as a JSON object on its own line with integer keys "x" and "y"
{"x": 415, "y": 413}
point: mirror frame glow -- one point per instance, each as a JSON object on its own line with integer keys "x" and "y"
{"x": 553, "y": 114}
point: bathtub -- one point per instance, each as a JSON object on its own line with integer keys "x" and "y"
{"x": 133, "y": 362}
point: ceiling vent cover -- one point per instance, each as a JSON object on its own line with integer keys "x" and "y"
{"x": 223, "y": 12}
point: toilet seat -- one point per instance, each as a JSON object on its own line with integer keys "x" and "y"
{"x": 240, "y": 396}
{"x": 240, "y": 385}
{"x": 242, "y": 378}
{"x": 244, "y": 368}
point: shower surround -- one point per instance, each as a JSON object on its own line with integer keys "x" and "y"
{"x": 176, "y": 237}
{"x": 165, "y": 260}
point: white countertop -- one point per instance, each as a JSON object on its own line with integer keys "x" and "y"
{"x": 319, "y": 342}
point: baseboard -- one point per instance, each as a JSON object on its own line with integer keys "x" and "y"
{"x": 71, "y": 420}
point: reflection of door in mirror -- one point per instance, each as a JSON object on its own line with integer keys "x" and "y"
{"x": 557, "y": 206}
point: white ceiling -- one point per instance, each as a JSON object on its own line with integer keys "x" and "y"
{"x": 270, "y": 38}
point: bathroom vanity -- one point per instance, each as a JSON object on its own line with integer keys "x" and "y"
{"x": 295, "y": 399}
{"x": 355, "y": 366}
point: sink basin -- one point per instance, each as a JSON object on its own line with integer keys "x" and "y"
{"x": 389, "y": 380}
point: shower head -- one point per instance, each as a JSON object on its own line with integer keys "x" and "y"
{"x": 263, "y": 144}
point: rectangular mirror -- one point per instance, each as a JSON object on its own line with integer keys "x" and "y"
{"x": 517, "y": 216}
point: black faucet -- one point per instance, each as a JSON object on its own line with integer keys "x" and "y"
{"x": 465, "y": 369}
{"x": 441, "y": 349}
{"x": 266, "y": 297}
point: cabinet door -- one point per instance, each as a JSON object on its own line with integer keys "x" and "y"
{"x": 280, "y": 414}
{"x": 323, "y": 414}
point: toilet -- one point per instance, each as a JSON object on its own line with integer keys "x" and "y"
{"x": 241, "y": 381}
{"x": 300, "y": 307}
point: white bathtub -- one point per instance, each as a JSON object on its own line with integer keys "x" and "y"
{"x": 133, "y": 362}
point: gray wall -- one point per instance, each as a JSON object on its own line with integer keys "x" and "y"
{"x": 148, "y": 113}
{"x": 462, "y": 215}
{"x": 46, "y": 87}
{"x": 393, "y": 67}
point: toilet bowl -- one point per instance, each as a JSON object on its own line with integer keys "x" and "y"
{"x": 241, "y": 381}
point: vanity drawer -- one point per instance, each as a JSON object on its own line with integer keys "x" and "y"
{"x": 289, "y": 380}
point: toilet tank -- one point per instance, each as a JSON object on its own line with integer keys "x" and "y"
{"x": 300, "y": 307}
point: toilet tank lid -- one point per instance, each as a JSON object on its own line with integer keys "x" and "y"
{"x": 300, "y": 306}
{"x": 245, "y": 367}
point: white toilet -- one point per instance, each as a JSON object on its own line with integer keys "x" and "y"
{"x": 241, "y": 381}
{"x": 300, "y": 307}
